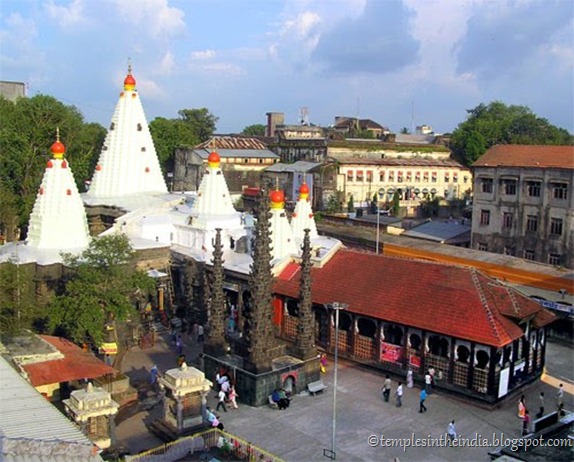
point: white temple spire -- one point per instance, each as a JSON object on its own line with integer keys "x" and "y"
{"x": 58, "y": 220}
{"x": 303, "y": 217}
{"x": 282, "y": 239}
{"x": 128, "y": 162}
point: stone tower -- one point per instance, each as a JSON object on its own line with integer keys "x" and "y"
{"x": 216, "y": 342}
{"x": 305, "y": 342}
{"x": 260, "y": 336}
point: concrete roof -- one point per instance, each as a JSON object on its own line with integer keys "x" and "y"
{"x": 300, "y": 166}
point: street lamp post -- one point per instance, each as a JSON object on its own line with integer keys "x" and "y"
{"x": 332, "y": 454}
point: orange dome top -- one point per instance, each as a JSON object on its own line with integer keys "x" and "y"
{"x": 58, "y": 149}
{"x": 213, "y": 159}
{"x": 277, "y": 198}
{"x": 129, "y": 81}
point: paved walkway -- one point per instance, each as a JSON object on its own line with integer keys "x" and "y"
{"x": 301, "y": 432}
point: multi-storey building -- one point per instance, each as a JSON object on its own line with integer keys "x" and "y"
{"x": 414, "y": 179}
{"x": 523, "y": 203}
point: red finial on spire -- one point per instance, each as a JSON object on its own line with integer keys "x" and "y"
{"x": 58, "y": 149}
{"x": 129, "y": 81}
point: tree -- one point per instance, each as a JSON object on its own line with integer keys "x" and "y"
{"x": 405, "y": 131}
{"x": 18, "y": 308}
{"x": 501, "y": 124}
{"x": 194, "y": 126}
{"x": 201, "y": 121}
{"x": 100, "y": 290}
{"x": 169, "y": 134}
{"x": 351, "y": 204}
{"x": 254, "y": 130}
{"x": 396, "y": 204}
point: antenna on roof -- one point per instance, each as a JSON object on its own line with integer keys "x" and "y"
{"x": 304, "y": 115}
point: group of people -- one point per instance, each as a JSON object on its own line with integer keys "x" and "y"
{"x": 280, "y": 397}
{"x": 524, "y": 413}
{"x": 226, "y": 394}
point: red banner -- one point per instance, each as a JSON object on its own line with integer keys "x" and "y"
{"x": 391, "y": 353}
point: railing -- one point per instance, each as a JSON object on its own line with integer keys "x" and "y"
{"x": 204, "y": 442}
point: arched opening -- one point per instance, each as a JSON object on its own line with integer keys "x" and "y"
{"x": 367, "y": 327}
{"x": 462, "y": 354}
{"x": 482, "y": 358}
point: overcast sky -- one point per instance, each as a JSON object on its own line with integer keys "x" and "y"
{"x": 399, "y": 63}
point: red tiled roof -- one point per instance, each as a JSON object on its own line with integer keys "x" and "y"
{"x": 535, "y": 156}
{"x": 446, "y": 299}
{"x": 76, "y": 365}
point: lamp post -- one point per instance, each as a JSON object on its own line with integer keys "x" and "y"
{"x": 332, "y": 454}
{"x": 380, "y": 192}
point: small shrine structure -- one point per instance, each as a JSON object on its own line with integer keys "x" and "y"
{"x": 93, "y": 410}
{"x": 186, "y": 390}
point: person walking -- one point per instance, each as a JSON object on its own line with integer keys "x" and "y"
{"x": 179, "y": 345}
{"x": 232, "y": 398}
{"x": 399, "y": 395}
{"x": 541, "y": 398}
{"x": 423, "y": 397}
{"x": 451, "y": 431}
{"x": 526, "y": 423}
{"x": 323, "y": 362}
{"x": 387, "y": 389}
{"x": 521, "y": 407}
{"x": 200, "y": 337}
{"x": 560, "y": 397}
{"x": 428, "y": 382}
{"x": 221, "y": 402}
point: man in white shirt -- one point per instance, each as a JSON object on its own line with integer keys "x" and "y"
{"x": 451, "y": 432}
{"x": 399, "y": 394}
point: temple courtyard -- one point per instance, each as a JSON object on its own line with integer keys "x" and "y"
{"x": 364, "y": 422}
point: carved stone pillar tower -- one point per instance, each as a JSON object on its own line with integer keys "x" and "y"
{"x": 216, "y": 344}
{"x": 259, "y": 326}
{"x": 306, "y": 348}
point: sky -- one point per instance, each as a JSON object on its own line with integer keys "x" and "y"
{"x": 400, "y": 63}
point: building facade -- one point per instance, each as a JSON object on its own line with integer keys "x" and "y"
{"x": 523, "y": 203}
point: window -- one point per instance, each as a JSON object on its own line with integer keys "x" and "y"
{"x": 426, "y": 177}
{"x": 434, "y": 177}
{"x": 509, "y": 187}
{"x": 112, "y": 126}
{"x": 400, "y": 176}
{"x": 382, "y": 177}
{"x": 554, "y": 259}
{"x": 360, "y": 177}
{"x": 533, "y": 188}
{"x": 486, "y": 185}
{"x": 455, "y": 177}
{"x": 529, "y": 254}
{"x": 560, "y": 191}
{"x": 143, "y": 148}
{"x": 556, "y": 226}
{"x": 349, "y": 175}
{"x": 139, "y": 127}
{"x": 409, "y": 176}
{"x": 417, "y": 176}
{"x": 465, "y": 179}
{"x": 447, "y": 178}
{"x": 531, "y": 223}
{"x": 507, "y": 220}
{"x": 483, "y": 246}
{"x": 391, "y": 175}
{"x": 369, "y": 176}
{"x": 485, "y": 217}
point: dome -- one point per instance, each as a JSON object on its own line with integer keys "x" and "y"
{"x": 129, "y": 81}
{"x": 304, "y": 189}
{"x": 213, "y": 159}
{"x": 58, "y": 149}
{"x": 277, "y": 197}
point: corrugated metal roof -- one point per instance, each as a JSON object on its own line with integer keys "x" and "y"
{"x": 438, "y": 230}
{"x": 217, "y": 143}
{"x": 224, "y": 153}
{"x": 300, "y": 166}
{"x": 26, "y": 415}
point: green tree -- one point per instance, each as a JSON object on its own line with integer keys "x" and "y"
{"x": 18, "y": 308}
{"x": 254, "y": 130}
{"x": 168, "y": 134}
{"x": 405, "y": 131}
{"x": 351, "y": 204}
{"x": 395, "y": 204}
{"x": 193, "y": 126}
{"x": 498, "y": 123}
{"x": 101, "y": 290}
{"x": 27, "y": 131}
{"x": 201, "y": 121}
